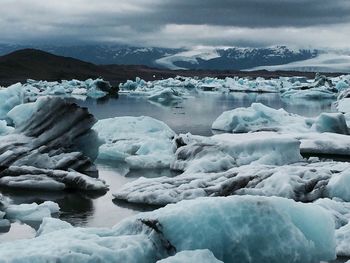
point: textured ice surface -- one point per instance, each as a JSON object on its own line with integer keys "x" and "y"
{"x": 221, "y": 152}
{"x": 321, "y": 88}
{"x": 29, "y": 177}
{"x": 343, "y": 103}
{"x": 310, "y": 143}
{"x": 339, "y": 185}
{"x": 141, "y": 142}
{"x": 342, "y": 236}
{"x": 4, "y": 128}
{"x": 247, "y": 229}
{"x": 259, "y": 117}
{"x": 339, "y": 210}
{"x": 48, "y": 147}
{"x": 200, "y": 255}
{"x": 300, "y": 181}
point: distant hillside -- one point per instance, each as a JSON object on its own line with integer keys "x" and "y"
{"x": 36, "y": 64}
{"x": 26, "y": 64}
{"x": 232, "y": 58}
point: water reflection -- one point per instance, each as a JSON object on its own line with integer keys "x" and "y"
{"x": 196, "y": 114}
{"x": 76, "y": 207}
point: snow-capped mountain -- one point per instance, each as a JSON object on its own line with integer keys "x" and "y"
{"x": 206, "y": 58}
{"x": 324, "y": 62}
{"x": 234, "y": 57}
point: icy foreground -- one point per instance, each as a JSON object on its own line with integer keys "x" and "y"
{"x": 244, "y": 228}
{"x": 46, "y": 150}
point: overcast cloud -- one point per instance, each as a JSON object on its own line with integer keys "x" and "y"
{"x": 178, "y": 23}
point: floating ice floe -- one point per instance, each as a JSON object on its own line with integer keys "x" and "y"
{"x": 19, "y": 93}
{"x": 141, "y": 142}
{"x": 166, "y": 96}
{"x": 325, "y": 134}
{"x": 259, "y": 117}
{"x": 31, "y": 212}
{"x": 313, "y": 143}
{"x": 47, "y": 149}
{"x": 223, "y": 151}
{"x": 321, "y": 88}
{"x": 300, "y": 181}
{"x": 93, "y": 88}
{"x": 220, "y": 152}
{"x": 262, "y": 163}
{"x": 171, "y": 90}
{"x": 243, "y": 227}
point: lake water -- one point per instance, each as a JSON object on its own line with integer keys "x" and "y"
{"x": 193, "y": 115}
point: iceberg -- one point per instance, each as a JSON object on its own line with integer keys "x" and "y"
{"x": 321, "y": 88}
{"x": 312, "y": 143}
{"x": 47, "y": 147}
{"x": 259, "y": 117}
{"x": 244, "y": 228}
{"x": 301, "y": 181}
{"x": 31, "y": 212}
{"x": 141, "y": 142}
{"x": 222, "y": 152}
{"x": 96, "y": 88}
{"x": 166, "y": 96}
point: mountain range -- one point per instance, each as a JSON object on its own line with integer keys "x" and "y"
{"x": 20, "y": 65}
{"x": 221, "y": 58}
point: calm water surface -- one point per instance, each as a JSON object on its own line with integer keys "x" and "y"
{"x": 193, "y": 115}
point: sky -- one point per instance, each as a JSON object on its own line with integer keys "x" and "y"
{"x": 178, "y": 23}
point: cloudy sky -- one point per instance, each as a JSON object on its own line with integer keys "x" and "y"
{"x": 178, "y": 23}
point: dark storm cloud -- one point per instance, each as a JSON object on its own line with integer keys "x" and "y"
{"x": 177, "y": 22}
{"x": 254, "y": 13}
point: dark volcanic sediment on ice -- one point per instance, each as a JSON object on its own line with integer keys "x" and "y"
{"x": 48, "y": 149}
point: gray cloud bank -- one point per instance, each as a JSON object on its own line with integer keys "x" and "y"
{"x": 178, "y": 23}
